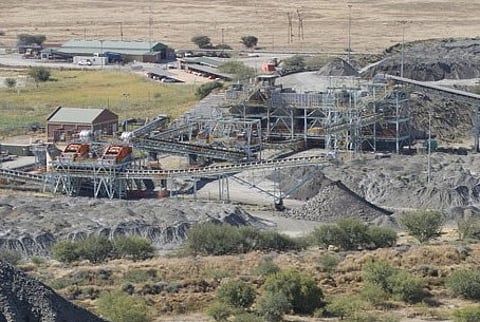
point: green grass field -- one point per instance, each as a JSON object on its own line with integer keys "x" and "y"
{"x": 93, "y": 89}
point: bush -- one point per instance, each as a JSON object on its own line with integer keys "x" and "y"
{"x": 39, "y": 74}
{"x": 205, "y": 89}
{"x": 352, "y": 234}
{"x": 374, "y": 294}
{"x": 329, "y": 234}
{"x": 380, "y": 274}
{"x": 345, "y": 307}
{"x": 422, "y": 224}
{"x": 266, "y": 267}
{"x": 293, "y": 64}
{"x": 467, "y": 314}
{"x": 10, "y": 256}
{"x": 356, "y": 232}
{"x": 10, "y": 82}
{"x": 120, "y": 307}
{"x": 202, "y": 41}
{"x": 393, "y": 282}
{"x": 247, "y": 317}
{"x": 300, "y": 289}
{"x": 468, "y": 228}
{"x": 236, "y": 294}
{"x": 380, "y": 237}
{"x": 66, "y": 251}
{"x": 134, "y": 247}
{"x": 212, "y": 239}
{"x": 219, "y": 312}
{"x": 239, "y": 69}
{"x": 407, "y": 288}
{"x": 328, "y": 263}
{"x": 465, "y": 283}
{"x": 95, "y": 248}
{"x": 272, "y": 306}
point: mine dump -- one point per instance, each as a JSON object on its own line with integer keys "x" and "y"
{"x": 340, "y": 142}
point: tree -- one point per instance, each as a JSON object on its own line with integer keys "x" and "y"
{"x": 95, "y": 248}
{"x": 205, "y": 89}
{"x": 249, "y": 41}
{"x": 39, "y": 74}
{"x": 422, "y": 224}
{"x": 27, "y": 39}
{"x": 10, "y": 82}
{"x": 202, "y": 41}
{"x": 272, "y": 306}
{"x": 239, "y": 69}
{"x": 134, "y": 247}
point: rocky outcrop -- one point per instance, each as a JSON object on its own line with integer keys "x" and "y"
{"x": 23, "y": 298}
{"x": 32, "y": 225}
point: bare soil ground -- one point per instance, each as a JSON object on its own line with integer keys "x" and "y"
{"x": 375, "y": 24}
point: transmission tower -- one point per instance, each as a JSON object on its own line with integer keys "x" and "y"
{"x": 290, "y": 28}
{"x": 300, "y": 25}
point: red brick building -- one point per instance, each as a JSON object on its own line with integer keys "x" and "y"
{"x": 64, "y": 122}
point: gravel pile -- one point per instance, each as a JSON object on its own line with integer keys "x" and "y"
{"x": 337, "y": 67}
{"x": 32, "y": 225}
{"x": 25, "y": 299}
{"x": 335, "y": 201}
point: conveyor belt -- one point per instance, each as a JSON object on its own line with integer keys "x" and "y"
{"x": 186, "y": 148}
{"x": 15, "y": 174}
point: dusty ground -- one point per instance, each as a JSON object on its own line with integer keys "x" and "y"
{"x": 375, "y": 24}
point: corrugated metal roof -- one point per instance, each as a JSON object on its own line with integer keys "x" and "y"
{"x": 210, "y": 70}
{"x": 75, "y": 115}
{"x": 118, "y": 46}
{"x": 208, "y": 61}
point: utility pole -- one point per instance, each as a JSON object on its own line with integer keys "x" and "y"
{"x": 349, "y": 31}
{"x": 125, "y": 96}
{"x": 429, "y": 145}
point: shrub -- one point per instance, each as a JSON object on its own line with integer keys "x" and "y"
{"x": 273, "y": 240}
{"x": 328, "y": 263}
{"x": 39, "y": 74}
{"x": 37, "y": 260}
{"x": 134, "y": 247}
{"x": 120, "y": 307}
{"x": 202, "y": 41}
{"x": 239, "y": 69}
{"x": 329, "y": 234}
{"x": 66, "y": 251}
{"x": 266, "y": 267}
{"x": 380, "y": 273}
{"x": 345, "y": 306}
{"x": 236, "y": 294}
{"x": 406, "y": 287}
{"x": 468, "y": 228}
{"x": 219, "y": 312}
{"x": 247, "y": 317}
{"x": 211, "y": 239}
{"x": 293, "y": 64}
{"x": 272, "y": 306}
{"x": 205, "y": 89}
{"x": 10, "y": 82}
{"x": 10, "y": 256}
{"x": 137, "y": 276}
{"x": 467, "y": 314}
{"x": 95, "y": 248}
{"x": 422, "y": 224}
{"x": 374, "y": 294}
{"x": 356, "y": 232}
{"x": 300, "y": 289}
{"x": 465, "y": 283}
{"x": 380, "y": 237}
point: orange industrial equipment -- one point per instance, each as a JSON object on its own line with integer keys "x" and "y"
{"x": 116, "y": 153}
{"x": 75, "y": 151}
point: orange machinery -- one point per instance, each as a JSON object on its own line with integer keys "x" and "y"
{"x": 75, "y": 151}
{"x": 114, "y": 154}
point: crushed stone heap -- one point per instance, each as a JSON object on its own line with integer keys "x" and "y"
{"x": 335, "y": 201}
{"x": 23, "y": 298}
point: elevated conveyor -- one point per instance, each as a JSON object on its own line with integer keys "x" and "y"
{"x": 180, "y": 148}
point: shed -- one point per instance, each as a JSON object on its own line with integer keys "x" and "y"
{"x": 142, "y": 51}
{"x": 64, "y": 122}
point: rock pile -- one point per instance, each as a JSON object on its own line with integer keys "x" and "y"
{"x": 32, "y": 225}
{"x": 335, "y": 201}
{"x": 25, "y": 299}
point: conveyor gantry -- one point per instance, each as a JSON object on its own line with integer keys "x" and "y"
{"x": 181, "y": 148}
